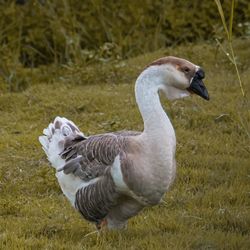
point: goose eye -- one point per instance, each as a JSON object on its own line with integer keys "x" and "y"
{"x": 186, "y": 70}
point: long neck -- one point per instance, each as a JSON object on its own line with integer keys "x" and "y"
{"x": 156, "y": 121}
{"x": 158, "y": 136}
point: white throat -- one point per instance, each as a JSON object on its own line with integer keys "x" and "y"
{"x": 158, "y": 136}
{"x": 156, "y": 121}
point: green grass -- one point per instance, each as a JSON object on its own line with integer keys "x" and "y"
{"x": 63, "y": 31}
{"x": 208, "y": 206}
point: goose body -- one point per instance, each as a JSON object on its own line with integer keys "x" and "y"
{"x": 109, "y": 178}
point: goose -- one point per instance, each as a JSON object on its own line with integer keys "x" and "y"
{"x": 111, "y": 177}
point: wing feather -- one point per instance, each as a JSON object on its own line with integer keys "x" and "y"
{"x": 89, "y": 157}
{"x": 96, "y": 200}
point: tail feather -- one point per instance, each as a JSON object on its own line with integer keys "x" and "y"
{"x": 54, "y": 139}
{"x": 60, "y": 134}
{"x": 45, "y": 143}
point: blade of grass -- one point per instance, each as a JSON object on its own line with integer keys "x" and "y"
{"x": 218, "y": 3}
{"x": 231, "y": 55}
{"x": 224, "y": 51}
{"x": 229, "y": 38}
{"x": 231, "y": 21}
{"x": 236, "y": 68}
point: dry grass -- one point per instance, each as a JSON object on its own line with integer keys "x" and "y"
{"x": 208, "y": 206}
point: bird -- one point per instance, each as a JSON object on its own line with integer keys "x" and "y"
{"x": 109, "y": 178}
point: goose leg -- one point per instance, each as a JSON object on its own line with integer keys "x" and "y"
{"x": 101, "y": 225}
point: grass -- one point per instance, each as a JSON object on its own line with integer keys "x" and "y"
{"x": 45, "y": 32}
{"x": 231, "y": 55}
{"x": 208, "y": 205}
{"x": 229, "y": 33}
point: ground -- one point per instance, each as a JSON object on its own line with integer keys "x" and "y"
{"x": 208, "y": 206}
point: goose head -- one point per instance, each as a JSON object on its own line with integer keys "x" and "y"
{"x": 177, "y": 77}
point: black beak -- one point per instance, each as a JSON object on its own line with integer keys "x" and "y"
{"x": 197, "y": 86}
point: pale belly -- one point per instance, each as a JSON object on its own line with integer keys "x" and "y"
{"x": 161, "y": 182}
{"x": 154, "y": 180}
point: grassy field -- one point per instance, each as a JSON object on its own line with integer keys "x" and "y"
{"x": 208, "y": 206}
